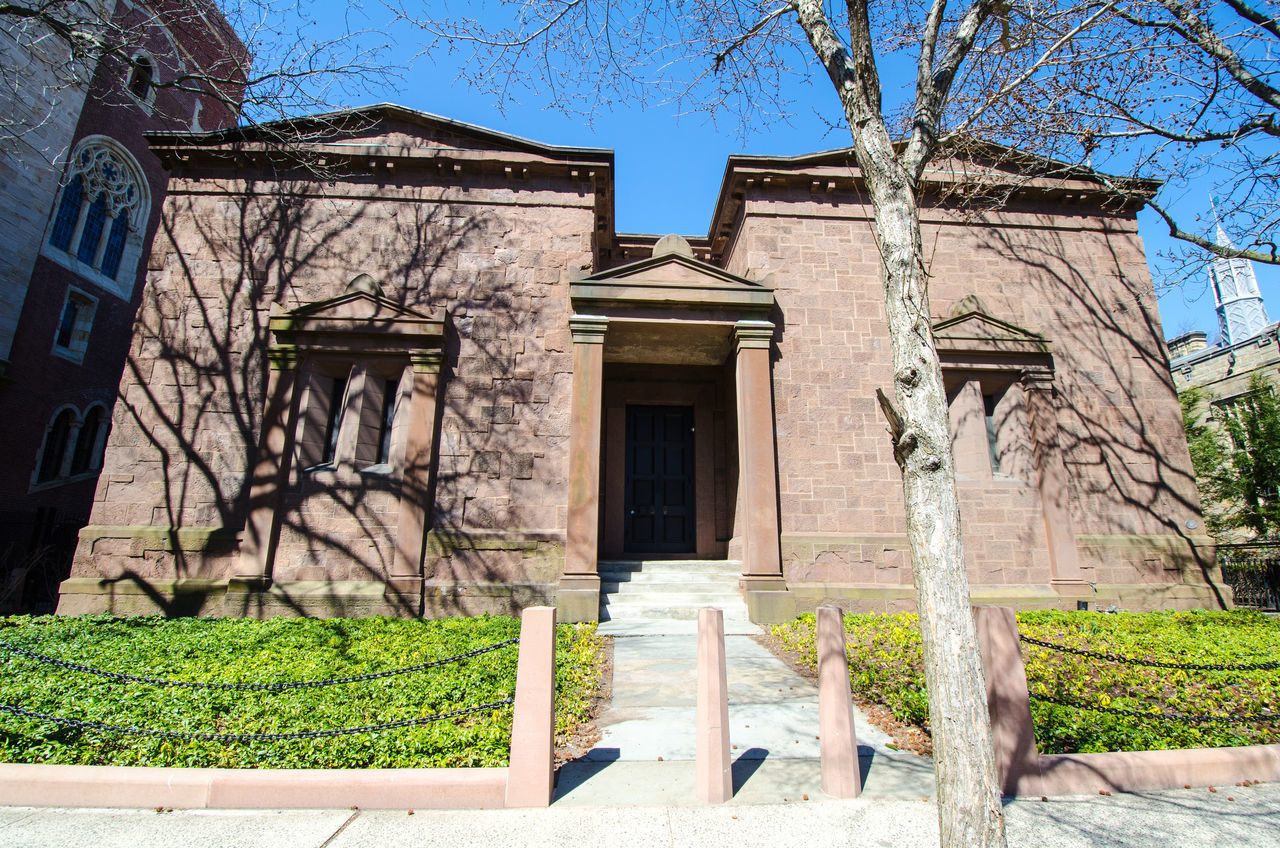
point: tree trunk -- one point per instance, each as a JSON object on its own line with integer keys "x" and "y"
{"x": 970, "y": 813}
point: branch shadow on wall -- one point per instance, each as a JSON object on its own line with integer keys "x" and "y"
{"x": 183, "y": 451}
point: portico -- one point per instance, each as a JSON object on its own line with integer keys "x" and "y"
{"x": 672, "y": 444}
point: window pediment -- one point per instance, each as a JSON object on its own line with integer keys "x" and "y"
{"x": 358, "y": 321}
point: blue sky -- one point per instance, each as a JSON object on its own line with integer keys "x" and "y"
{"x": 669, "y": 167}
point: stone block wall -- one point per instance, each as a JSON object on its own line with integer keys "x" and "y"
{"x": 1075, "y": 275}
{"x": 496, "y": 255}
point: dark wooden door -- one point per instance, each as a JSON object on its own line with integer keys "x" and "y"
{"x": 659, "y": 505}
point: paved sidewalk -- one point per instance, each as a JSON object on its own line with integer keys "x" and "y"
{"x": 1191, "y": 818}
{"x": 647, "y": 746}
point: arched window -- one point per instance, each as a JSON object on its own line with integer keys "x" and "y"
{"x": 90, "y": 441}
{"x": 98, "y": 223}
{"x": 55, "y": 446}
{"x": 142, "y": 77}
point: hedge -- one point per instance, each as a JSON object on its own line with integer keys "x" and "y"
{"x": 885, "y": 665}
{"x": 276, "y": 650}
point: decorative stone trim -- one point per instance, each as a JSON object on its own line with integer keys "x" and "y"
{"x": 757, "y": 335}
{"x": 588, "y": 329}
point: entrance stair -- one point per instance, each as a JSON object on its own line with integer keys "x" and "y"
{"x": 656, "y": 597}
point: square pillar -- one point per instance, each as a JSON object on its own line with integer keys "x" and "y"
{"x": 578, "y": 596}
{"x": 1051, "y": 479}
{"x": 415, "y": 473}
{"x": 271, "y": 470}
{"x": 757, "y": 462}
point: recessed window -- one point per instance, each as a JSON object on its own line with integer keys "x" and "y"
{"x": 98, "y": 221}
{"x": 333, "y": 424}
{"x": 142, "y": 77}
{"x": 71, "y": 339}
{"x": 989, "y": 402}
{"x": 55, "y": 446}
{"x": 390, "y": 396}
{"x": 92, "y": 438}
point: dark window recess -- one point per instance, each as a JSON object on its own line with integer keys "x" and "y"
{"x": 55, "y": 447}
{"x": 140, "y": 81}
{"x": 64, "y": 224}
{"x": 67, "y": 326}
{"x": 94, "y": 219}
{"x": 334, "y": 422}
{"x": 390, "y": 395}
{"x": 115, "y": 245}
{"x": 993, "y": 447}
{"x": 84, "y": 458}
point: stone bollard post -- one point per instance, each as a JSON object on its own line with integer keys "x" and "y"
{"x": 841, "y": 777}
{"x": 529, "y": 776}
{"x": 714, "y": 774}
{"x": 1012, "y": 735}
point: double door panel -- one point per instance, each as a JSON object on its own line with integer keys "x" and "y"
{"x": 660, "y": 514}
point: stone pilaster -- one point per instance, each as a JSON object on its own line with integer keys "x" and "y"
{"x": 271, "y": 470}
{"x": 1051, "y": 478}
{"x": 757, "y": 463}
{"x": 415, "y": 478}
{"x": 578, "y": 597}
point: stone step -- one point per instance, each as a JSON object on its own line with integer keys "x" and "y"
{"x": 695, "y": 587}
{"x": 672, "y": 566}
{"x": 613, "y": 612}
{"x": 692, "y": 600}
{"x": 641, "y": 578}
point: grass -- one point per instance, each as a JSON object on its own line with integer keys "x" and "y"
{"x": 242, "y": 650}
{"x": 885, "y": 665}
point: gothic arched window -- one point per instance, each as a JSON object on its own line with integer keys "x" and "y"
{"x": 99, "y": 219}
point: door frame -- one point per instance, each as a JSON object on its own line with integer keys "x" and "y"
{"x": 618, "y": 396}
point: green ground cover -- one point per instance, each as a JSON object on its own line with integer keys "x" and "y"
{"x": 885, "y": 668}
{"x": 277, "y": 650}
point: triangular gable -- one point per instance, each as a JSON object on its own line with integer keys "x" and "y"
{"x": 971, "y": 329}
{"x": 383, "y": 125}
{"x": 671, "y": 279}
{"x": 358, "y": 319}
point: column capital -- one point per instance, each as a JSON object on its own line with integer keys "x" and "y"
{"x": 282, "y": 357}
{"x": 753, "y": 334}
{"x": 1037, "y": 379}
{"x": 588, "y": 329}
{"x": 426, "y": 361}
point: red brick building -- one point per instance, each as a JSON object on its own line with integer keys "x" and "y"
{"x": 415, "y": 370}
{"x": 83, "y": 196}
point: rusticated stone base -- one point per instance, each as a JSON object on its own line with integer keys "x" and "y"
{"x": 312, "y": 598}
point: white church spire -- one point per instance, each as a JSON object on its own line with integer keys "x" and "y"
{"x": 1241, "y": 314}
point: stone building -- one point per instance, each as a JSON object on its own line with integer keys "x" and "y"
{"x": 412, "y": 368}
{"x": 80, "y": 196}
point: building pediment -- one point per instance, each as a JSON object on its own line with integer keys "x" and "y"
{"x": 972, "y": 329}
{"x": 671, "y": 280}
{"x": 360, "y": 320}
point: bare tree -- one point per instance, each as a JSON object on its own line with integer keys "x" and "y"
{"x": 972, "y": 64}
{"x": 261, "y": 58}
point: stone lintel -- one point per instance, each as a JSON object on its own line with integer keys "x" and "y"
{"x": 282, "y": 357}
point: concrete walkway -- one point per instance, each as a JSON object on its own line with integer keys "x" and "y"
{"x": 647, "y": 745}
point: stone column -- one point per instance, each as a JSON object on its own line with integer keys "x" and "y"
{"x": 271, "y": 470}
{"x": 578, "y": 596}
{"x": 758, "y": 473}
{"x": 415, "y": 473}
{"x": 1051, "y": 478}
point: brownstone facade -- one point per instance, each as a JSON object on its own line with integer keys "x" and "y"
{"x": 414, "y": 370}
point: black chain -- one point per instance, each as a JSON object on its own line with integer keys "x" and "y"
{"x": 249, "y": 687}
{"x": 246, "y": 737}
{"x": 1083, "y": 652}
{"x": 1265, "y": 718}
